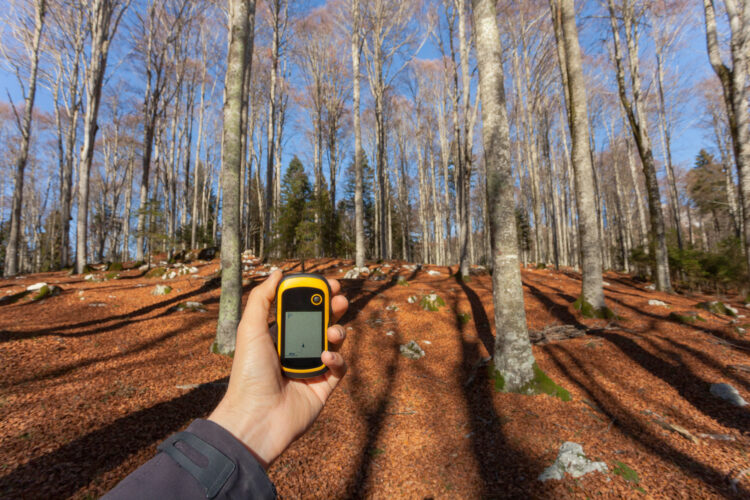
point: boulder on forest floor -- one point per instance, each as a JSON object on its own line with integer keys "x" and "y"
{"x": 571, "y": 460}
{"x": 46, "y": 291}
{"x": 728, "y": 393}
{"x": 718, "y": 307}
{"x": 161, "y": 290}
{"x": 411, "y": 350}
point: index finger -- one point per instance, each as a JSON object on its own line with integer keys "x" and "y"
{"x": 335, "y": 286}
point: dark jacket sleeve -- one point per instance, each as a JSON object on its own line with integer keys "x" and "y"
{"x": 239, "y": 473}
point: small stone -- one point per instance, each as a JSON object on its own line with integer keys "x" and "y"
{"x": 392, "y": 307}
{"x": 651, "y": 287}
{"x": 432, "y": 272}
{"x": 35, "y": 286}
{"x": 97, "y": 304}
{"x": 80, "y": 293}
{"x": 728, "y": 394}
{"x": 411, "y": 350}
{"x": 144, "y": 267}
{"x": 427, "y": 342}
{"x": 390, "y": 333}
{"x": 605, "y": 283}
{"x": 191, "y": 306}
{"x": 571, "y": 460}
{"x": 89, "y": 277}
{"x": 741, "y": 330}
{"x": 654, "y": 302}
{"x": 161, "y": 290}
{"x": 412, "y": 300}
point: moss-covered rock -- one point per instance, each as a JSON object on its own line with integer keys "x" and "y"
{"x": 402, "y": 281}
{"x": 464, "y": 318}
{"x": 588, "y": 310}
{"x": 717, "y": 307}
{"x": 112, "y": 275}
{"x": 686, "y": 318}
{"x": 156, "y": 272}
{"x": 115, "y": 266}
{"x": 540, "y": 384}
{"x": 46, "y": 291}
{"x": 431, "y": 302}
{"x": 161, "y": 290}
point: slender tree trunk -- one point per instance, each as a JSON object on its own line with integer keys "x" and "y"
{"x": 15, "y": 239}
{"x": 637, "y": 119}
{"x": 569, "y": 56}
{"x": 513, "y": 358}
{"x": 105, "y": 17}
{"x": 359, "y": 209}
{"x": 736, "y": 94}
{"x": 242, "y": 14}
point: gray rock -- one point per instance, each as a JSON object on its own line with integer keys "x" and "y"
{"x": 191, "y": 306}
{"x": 413, "y": 299}
{"x": 432, "y": 272}
{"x": 654, "y": 302}
{"x": 89, "y": 277}
{"x": 605, "y": 283}
{"x": 35, "y": 286}
{"x": 728, "y": 394}
{"x": 411, "y": 350}
{"x": 651, "y": 287}
{"x": 161, "y": 290}
{"x": 571, "y": 460}
{"x": 356, "y": 273}
{"x": 144, "y": 267}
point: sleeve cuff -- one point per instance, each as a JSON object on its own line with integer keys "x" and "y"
{"x": 249, "y": 477}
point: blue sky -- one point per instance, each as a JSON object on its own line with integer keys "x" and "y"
{"x": 690, "y": 63}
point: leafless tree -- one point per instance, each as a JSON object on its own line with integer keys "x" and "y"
{"x": 29, "y": 35}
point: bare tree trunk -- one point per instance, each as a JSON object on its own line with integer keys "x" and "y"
{"x": 15, "y": 238}
{"x": 242, "y": 16}
{"x": 105, "y": 16}
{"x": 735, "y": 89}
{"x": 569, "y": 56}
{"x": 194, "y": 212}
{"x": 359, "y": 210}
{"x": 513, "y": 358}
{"x": 637, "y": 119}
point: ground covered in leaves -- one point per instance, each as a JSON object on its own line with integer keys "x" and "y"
{"x": 92, "y": 378}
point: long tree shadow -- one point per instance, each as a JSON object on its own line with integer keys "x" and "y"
{"x": 77, "y": 463}
{"x": 629, "y": 424}
{"x": 691, "y": 387}
{"x": 64, "y": 370}
{"x": 120, "y": 319}
{"x": 500, "y": 463}
{"x": 559, "y": 311}
{"x": 372, "y": 412}
{"x": 708, "y": 361}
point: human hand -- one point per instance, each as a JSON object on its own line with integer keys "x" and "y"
{"x": 263, "y": 409}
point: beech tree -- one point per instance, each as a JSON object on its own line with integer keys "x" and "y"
{"x": 103, "y": 17}
{"x": 574, "y": 87}
{"x": 736, "y": 93}
{"x": 241, "y": 27}
{"x": 633, "y": 103}
{"x": 15, "y": 238}
{"x": 513, "y": 358}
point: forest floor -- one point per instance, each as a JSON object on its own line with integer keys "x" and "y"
{"x": 91, "y": 380}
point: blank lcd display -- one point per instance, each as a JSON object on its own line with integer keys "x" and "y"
{"x": 303, "y": 338}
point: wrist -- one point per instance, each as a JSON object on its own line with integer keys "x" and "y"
{"x": 250, "y": 430}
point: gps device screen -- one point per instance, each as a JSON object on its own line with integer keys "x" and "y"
{"x": 303, "y": 338}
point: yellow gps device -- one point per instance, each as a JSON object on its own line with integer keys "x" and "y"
{"x": 303, "y": 305}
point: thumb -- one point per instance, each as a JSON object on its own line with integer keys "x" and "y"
{"x": 255, "y": 316}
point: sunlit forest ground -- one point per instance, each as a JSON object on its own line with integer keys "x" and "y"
{"x": 93, "y": 378}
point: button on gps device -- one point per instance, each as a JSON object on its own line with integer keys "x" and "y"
{"x": 303, "y": 303}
